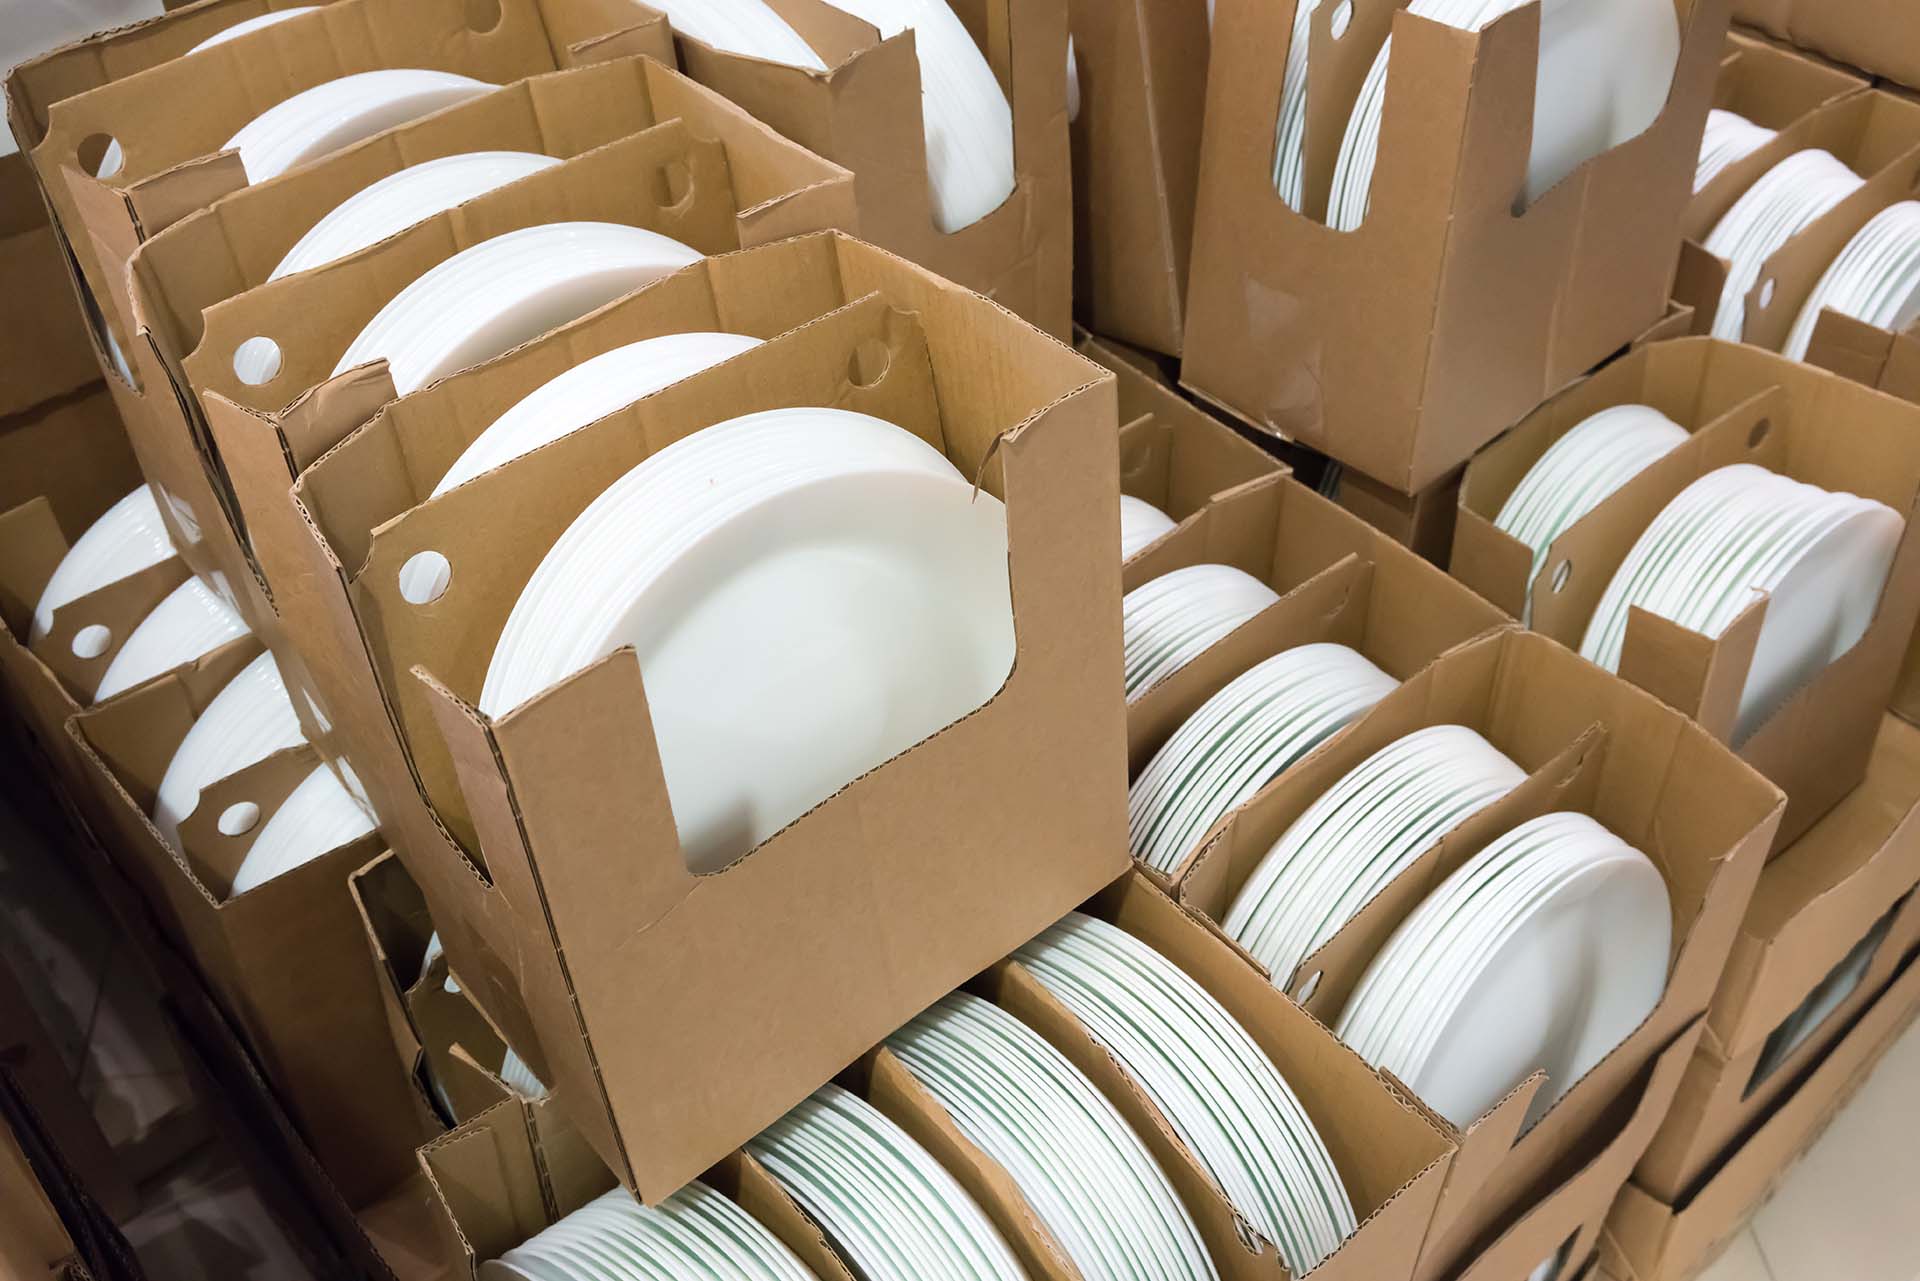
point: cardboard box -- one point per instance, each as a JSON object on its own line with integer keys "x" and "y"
{"x": 1401, "y": 347}
{"x": 1588, "y": 742}
{"x": 1878, "y": 35}
{"x": 287, "y": 960}
{"x": 1338, "y": 579}
{"x": 1776, "y": 86}
{"x": 1829, "y": 920}
{"x": 49, "y": 355}
{"x": 1648, "y": 1239}
{"x": 1034, "y": 421}
{"x": 1142, "y": 75}
{"x": 1173, "y": 454}
{"x": 1422, "y": 522}
{"x": 445, "y": 1043}
{"x": 639, "y": 144}
{"x": 865, "y": 114}
{"x": 1874, "y": 133}
{"x": 1742, "y": 405}
{"x": 172, "y": 115}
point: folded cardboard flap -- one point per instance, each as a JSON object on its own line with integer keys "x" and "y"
{"x": 1390, "y": 1155}
{"x": 1338, "y": 578}
{"x": 865, "y": 114}
{"x": 1378, "y": 354}
{"x": 1142, "y": 68}
{"x": 1567, "y": 1221}
{"x": 1539, "y": 704}
{"x": 1648, "y": 1239}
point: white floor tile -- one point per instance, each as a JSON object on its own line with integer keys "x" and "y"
{"x": 1849, "y": 1208}
{"x": 1741, "y": 1261}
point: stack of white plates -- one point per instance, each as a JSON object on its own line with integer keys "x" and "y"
{"x": 1170, "y": 621}
{"x": 518, "y": 1077}
{"x": 696, "y": 1232}
{"x": 496, "y": 295}
{"x": 1604, "y": 71}
{"x": 128, "y": 537}
{"x": 965, "y": 114}
{"x": 809, "y": 593}
{"x": 1361, "y": 834}
{"x": 401, "y": 199}
{"x": 1729, "y": 137}
{"x": 1087, "y": 1176}
{"x": 318, "y": 817}
{"x": 1264, "y": 720}
{"x": 884, "y": 1203}
{"x": 1141, "y": 523}
{"x": 1289, "y": 153}
{"x": 1543, "y": 952}
{"x": 191, "y": 621}
{"x": 1783, "y": 202}
{"x": 247, "y": 721}
{"x": 341, "y": 112}
{"x": 747, "y": 27}
{"x": 1577, "y": 474}
{"x": 1207, "y": 1077}
{"x": 1821, "y": 559}
{"x": 1875, "y": 278}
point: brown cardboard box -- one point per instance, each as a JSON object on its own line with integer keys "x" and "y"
{"x": 1874, "y": 133}
{"x": 172, "y": 117}
{"x": 1034, "y": 421}
{"x": 1173, "y": 454}
{"x": 1648, "y": 1239}
{"x": 865, "y": 114}
{"x": 47, "y": 354}
{"x": 1142, "y": 68}
{"x": 640, "y": 144}
{"x": 288, "y": 959}
{"x": 1878, "y": 35}
{"x": 1338, "y": 578}
{"x": 1742, "y": 405}
{"x": 1832, "y": 914}
{"x": 1401, "y": 347}
{"x": 444, "y": 1042}
{"x": 1422, "y": 522}
{"x": 1392, "y": 1156}
{"x": 1589, "y": 742}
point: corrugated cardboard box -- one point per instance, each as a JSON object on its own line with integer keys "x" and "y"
{"x": 1338, "y": 579}
{"x": 1402, "y": 346}
{"x": 50, "y": 355}
{"x": 171, "y": 118}
{"x": 1648, "y": 1239}
{"x": 1878, "y": 35}
{"x": 1142, "y": 77}
{"x": 1742, "y": 405}
{"x": 1829, "y": 921}
{"x": 1034, "y": 421}
{"x": 287, "y": 959}
{"x": 1173, "y": 454}
{"x": 1874, "y": 133}
{"x": 1591, "y": 743}
{"x": 865, "y": 114}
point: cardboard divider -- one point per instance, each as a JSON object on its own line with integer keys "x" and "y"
{"x": 1753, "y": 406}
{"x": 444, "y": 1042}
{"x": 519, "y": 1167}
{"x": 287, "y": 959}
{"x": 1875, "y": 34}
{"x": 1651, "y": 1239}
{"x": 1338, "y": 580}
{"x": 1777, "y": 88}
{"x": 551, "y": 948}
{"x": 1142, "y": 67}
{"x": 1590, "y": 742}
{"x": 172, "y": 161}
{"x": 1875, "y": 134}
{"x": 1402, "y": 346}
{"x": 865, "y": 113}
{"x": 51, "y": 357}
{"x": 1390, "y": 1155}
{"x": 1173, "y": 454}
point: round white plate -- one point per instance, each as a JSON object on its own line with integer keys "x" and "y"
{"x": 1141, "y": 523}
{"x": 318, "y": 817}
{"x": 127, "y": 538}
{"x": 191, "y": 621}
{"x": 340, "y": 112}
{"x": 249, "y": 720}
